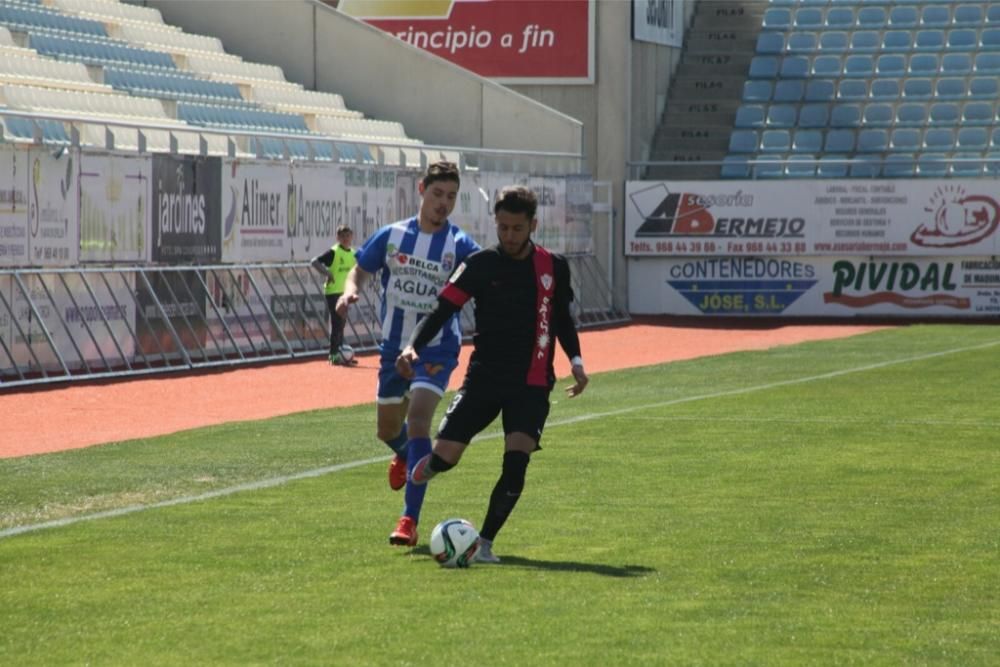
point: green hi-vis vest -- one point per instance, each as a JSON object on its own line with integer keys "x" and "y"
{"x": 343, "y": 262}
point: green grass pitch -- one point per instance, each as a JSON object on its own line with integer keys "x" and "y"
{"x": 833, "y": 502}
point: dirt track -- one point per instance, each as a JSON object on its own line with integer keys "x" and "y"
{"x": 70, "y": 417}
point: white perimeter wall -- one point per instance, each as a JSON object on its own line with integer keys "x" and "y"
{"x": 377, "y": 74}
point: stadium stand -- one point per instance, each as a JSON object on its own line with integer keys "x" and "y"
{"x": 893, "y": 89}
{"x": 105, "y": 60}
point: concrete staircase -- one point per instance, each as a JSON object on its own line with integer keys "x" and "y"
{"x": 706, "y": 89}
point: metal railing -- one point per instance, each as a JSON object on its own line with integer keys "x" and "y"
{"x": 82, "y": 323}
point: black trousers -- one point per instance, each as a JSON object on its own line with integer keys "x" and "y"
{"x": 336, "y": 323}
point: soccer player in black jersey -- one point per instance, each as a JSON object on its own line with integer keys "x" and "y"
{"x": 522, "y": 294}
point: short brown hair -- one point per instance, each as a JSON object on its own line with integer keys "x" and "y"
{"x": 441, "y": 171}
{"x": 344, "y": 229}
{"x": 517, "y": 199}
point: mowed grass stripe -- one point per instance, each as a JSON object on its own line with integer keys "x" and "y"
{"x": 284, "y": 479}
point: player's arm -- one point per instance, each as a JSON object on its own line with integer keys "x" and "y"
{"x": 321, "y": 263}
{"x": 422, "y": 334}
{"x": 355, "y": 281}
{"x": 456, "y": 293}
{"x": 566, "y": 333}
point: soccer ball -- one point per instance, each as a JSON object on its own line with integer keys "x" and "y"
{"x": 454, "y": 543}
{"x": 346, "y": 352}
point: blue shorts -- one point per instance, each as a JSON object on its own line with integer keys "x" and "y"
{"x": 431, "y": 372}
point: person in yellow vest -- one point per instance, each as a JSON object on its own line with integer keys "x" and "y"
{"x": 334, "y": 265}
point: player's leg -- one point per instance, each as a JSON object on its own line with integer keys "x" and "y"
{"x": 331, "y": 304}
{"x": 426, "y": 389}
{"x": 472, "y": 409}
{"x": 392, "y": 398}
{"x": 524, "y": 416}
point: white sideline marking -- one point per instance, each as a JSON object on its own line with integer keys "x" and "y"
{"x": 319, "y": 472}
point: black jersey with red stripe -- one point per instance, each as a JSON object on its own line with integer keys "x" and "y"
{"x": 521, "y": 309}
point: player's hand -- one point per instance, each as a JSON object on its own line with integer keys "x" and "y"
{"x": 581, "y": 378}
{"x": 405, "y": 361}
{"x": 344, "y": 302}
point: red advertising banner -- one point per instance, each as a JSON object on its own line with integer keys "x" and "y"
{"x": 512, "y": 41}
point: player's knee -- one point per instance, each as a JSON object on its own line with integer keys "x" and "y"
{"x": 515, "y": 468}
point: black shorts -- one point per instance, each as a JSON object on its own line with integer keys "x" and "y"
{"x": 478, "y": 403}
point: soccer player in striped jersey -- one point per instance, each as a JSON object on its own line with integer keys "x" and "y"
{"x": 522, "y": 294}
{"x": 414, "y": 258}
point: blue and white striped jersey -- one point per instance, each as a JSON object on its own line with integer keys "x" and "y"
{"x": 415, "y": 266}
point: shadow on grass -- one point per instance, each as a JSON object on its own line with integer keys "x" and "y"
{"x": 561, "y": 565}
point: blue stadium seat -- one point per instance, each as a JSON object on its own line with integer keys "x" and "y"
{"x": 965, "y": 166}
{"x": 956, "y": 63}
{"x": 840, "y": 17}
{"x": 820, "y": 90}
{"x": 800, "y": 166}
{"x": 801, "y": 42}
{"x": 943, "y": 113}
{"x": 984, "y": 87}
{"x": 871, "y": 17}
{"x": 897, "y": 40}
{"x": 809, "y": 18}
{"x": 743, "y": 141}
{"x": 989, "y": 39}
{"x": 861, "y": 65}
{"x": 735, "y": 166}
{"x": 789, "y": 91}
{"x": 905, "y": 139}
{"x": 924, "y": 64}
{"x": 775, "y": 141}
{"x": 852, "y": 89}
{"x": 749, "y": 115}
{"x": 807, "y": 141}
{"x": 873, "y": 140}
{"x": 995, "y": 138}
{"x": 773, "y": 167}
{"x": 826, "y": 65}
{"x": 918, "y": 89}
{"x": 991, "y": 163}
{"x": 899, "y": 165}
{"x": 992, "y": 13}
{"x": 770, "y": 43}
{"x": 878, "y": 114}
{"x": 885, "y": 89}
{"x": 866, "y": 166}
{"x": 839, "y": 141}
{"x": 795, "y": 67}
{"x": 757, "y": 90}
{"x": 891, "y": 64}
{"x": 777, "y": 18}
{"x": 814, "y": 115}
{"x": 929, "y": 40}
{"x": 968, "y": 15}
{"x": 902, "y": 16}
{"x": 832, "y": 166}
{"x": 31, "y": 18}
{"x": 987, "y": 63}
{"x": 950, "y": 88}
{"x": 978, "y": 113}
{"x": 911, "y": 114}
{"x": 935, "y": 16}
{"x": 845, "y": 115}
{"x": 833, "y": 41}
{"x": 764, "y": 67}
{"x": 932, "y": 164}
{"x": 865, "y": 41}
{"x": 939, "y": 139}
{"x": 972, "y": 139}
{"x": 53, "y": 132}
{"x": 962, "y": 39}
{"x": 99, "y": 52}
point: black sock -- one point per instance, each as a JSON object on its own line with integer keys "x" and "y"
{"x": 438, "y": 464}
{"x": 506, "y": 493}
